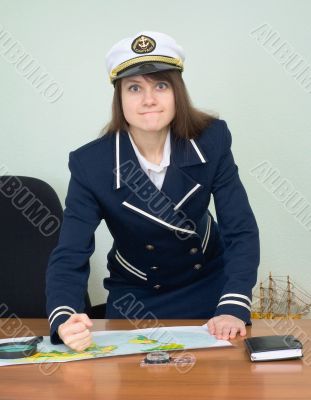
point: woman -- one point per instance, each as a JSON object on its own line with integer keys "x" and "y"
{"x": 151, "y": 177}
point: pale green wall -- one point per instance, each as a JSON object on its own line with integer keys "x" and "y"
{"x": 228, "y": 69}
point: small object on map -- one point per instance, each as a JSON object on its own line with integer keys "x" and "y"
{"x": 157, "y": 357}
{"x": 20, "y": 349}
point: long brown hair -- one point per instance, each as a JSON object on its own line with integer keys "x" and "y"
{"x": 188, "y": 121}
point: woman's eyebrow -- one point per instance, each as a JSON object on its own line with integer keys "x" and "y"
{"x": 132, "y": 81}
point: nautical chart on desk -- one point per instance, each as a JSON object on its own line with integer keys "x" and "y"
{"x": 116, "y": 343}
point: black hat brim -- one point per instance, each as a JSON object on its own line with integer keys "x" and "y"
{"x": 146, "y": 68}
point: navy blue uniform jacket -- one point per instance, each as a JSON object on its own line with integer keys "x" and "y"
{"x": 169, "y": 259}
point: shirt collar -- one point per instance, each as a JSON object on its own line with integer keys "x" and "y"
{"x": 147, "y": 165}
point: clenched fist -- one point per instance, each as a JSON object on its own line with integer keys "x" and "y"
{"x": 75, "y": 332}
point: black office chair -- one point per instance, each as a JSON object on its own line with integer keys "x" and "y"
{"x": 31, "y": 215}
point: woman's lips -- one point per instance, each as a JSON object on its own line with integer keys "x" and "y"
{"x": 150, "y": 112}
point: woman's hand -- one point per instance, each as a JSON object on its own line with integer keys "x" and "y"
{"x": 75, "y": 333}
{"x": 226, "y": 327}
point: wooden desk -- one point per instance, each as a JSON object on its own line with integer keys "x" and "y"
{"x": 224, "y": 373}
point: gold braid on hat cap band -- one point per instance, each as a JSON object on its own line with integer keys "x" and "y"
{"x": 137, "y": 60}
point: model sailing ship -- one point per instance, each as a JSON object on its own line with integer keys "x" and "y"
{"x": 278, "y": 297}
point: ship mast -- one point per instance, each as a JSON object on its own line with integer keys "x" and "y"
{"x": 261, "y": 297}
{"x": 271, "y": 300}
{"x": 289, "y": 296}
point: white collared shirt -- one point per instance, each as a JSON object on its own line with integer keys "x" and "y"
{"x": 155, "y": 172}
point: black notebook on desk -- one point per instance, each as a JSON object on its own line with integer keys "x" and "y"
{"x": 276, "y": 347}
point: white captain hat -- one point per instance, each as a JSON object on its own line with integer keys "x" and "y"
{"x": 147, "y": 52}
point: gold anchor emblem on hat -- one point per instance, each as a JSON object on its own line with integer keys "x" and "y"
{"x": 143, "y": 44}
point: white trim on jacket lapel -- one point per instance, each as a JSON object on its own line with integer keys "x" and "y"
{"x": 178, "y": 184}
{"x": 117, "y": 167}
{"x": 193, "y": 190}
{"x": 159, "y": 220}
{"x": 192, "y": 141}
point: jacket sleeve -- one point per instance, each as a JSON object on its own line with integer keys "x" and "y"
{"x": 240, "y": 234}
{"x": 68, "y": 267}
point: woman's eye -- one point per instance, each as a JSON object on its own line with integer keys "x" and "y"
{"x": 134, "y": 88}
{"x": 162, "y": 85}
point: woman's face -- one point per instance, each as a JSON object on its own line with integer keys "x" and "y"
{"x": 148, "y": 105}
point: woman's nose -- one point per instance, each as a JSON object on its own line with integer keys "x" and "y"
{"x": 149, "y": 96}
